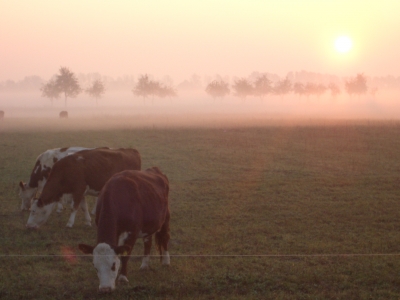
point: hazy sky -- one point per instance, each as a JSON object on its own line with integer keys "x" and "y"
{"x": 207, "y": 37}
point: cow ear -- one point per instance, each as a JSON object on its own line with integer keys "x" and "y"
{"x": 21, "y": 185}
{"x": 123, "y": 250}
{"x": 86, "y": 248}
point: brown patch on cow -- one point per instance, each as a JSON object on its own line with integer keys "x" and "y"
{"x": 64, "y": 149}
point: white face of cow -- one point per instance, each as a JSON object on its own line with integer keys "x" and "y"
{"x": 39, "y": 215}
{"x": 26, "y": 194}
{"x": 107, "y": 263}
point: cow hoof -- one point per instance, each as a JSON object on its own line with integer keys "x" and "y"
{"x": 144, "y": 268}
{"x": 69, "y": 225}
{"x": 122, "y": 278}
{"x": 88, "y": 224}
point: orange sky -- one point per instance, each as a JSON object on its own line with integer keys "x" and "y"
{"x": 208, "y": 37}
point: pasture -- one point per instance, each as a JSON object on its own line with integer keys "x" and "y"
{"x": 278, "y": 211}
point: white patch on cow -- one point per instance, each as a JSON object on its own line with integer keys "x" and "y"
{"x": 26, "y": 194}
{"x": 93, "y": 212}
{"x": 91, "y": 192}
{"x": 145, "y": 263}
{"x": 46, "y": 159}
{"x": 122, "y": 278}
{"x": 165, "y": 258}
{"x": 122, "y": 238}
{"x": 142, "y": 234}
{"x": 107, "y": 263}
{"x": 39, "y": 215}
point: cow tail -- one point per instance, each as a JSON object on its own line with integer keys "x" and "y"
{"x": 162, "y": 238}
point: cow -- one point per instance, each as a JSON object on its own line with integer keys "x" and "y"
{"x": 1, "y": 114}
{"x": 132, "y": 205}
{"x": 63, "y": 114}
{"x": 79, "y": 174}
{"x": 40, "y": 172}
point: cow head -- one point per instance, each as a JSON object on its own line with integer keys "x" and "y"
{"x": 39, "y": 213}
{"x": 106, "y": 262}
{"x": 26, "y": 193}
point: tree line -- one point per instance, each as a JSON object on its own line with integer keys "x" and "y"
{"x": 262, "y": 87}
{"x": 65, "y": 83}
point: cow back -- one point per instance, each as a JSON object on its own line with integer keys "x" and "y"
{"x": 132, "y": 201}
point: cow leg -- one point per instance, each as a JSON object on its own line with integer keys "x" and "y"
{"x": 93, "y": 212}
{"x": 84, "y": 206}
{"x": 124, "y": 267}
{"x": 78, "y": 199}
{"x": 71, "y": 219}
{"x": 60, "y": 207}
{"x": 162, "y": 240}
{"x": 146, "y": 258}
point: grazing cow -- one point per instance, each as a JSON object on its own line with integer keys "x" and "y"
{"x": 64, "y": 114}
{"x": 1, "y": 114}
{"x": 40, "y": 172}
{"x": 79, "y": 174}
{"x": 132, "y": 204}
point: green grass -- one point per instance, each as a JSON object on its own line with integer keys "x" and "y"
{"x": 271, "y": 212}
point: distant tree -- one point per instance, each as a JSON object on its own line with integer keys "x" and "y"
{"x": 217, "y": 89}
{"x": 242, "y": 88}
{"x": 299, "y": 89}
{"x": 146, "y": 87}
{"x": 310, "y": 89}
{"x": 165, "y": 91}
{"x": 67, "y": 83}
{"x": 357, "y": 85}
{"x": 50, "y": 90}
{"x": 320, "y": 89}
{"x": 335, "y": 91}
{"x": 262, "y": 86}
{"x": 283, "y": 87}
{"x": 96, "y": 90}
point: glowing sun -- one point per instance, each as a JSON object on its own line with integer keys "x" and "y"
{"x": 343, "y": 44}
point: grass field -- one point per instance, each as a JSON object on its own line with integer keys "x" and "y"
{"x": 306, "y": 211}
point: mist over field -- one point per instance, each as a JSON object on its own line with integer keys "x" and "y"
{"x": 121, "y": 109}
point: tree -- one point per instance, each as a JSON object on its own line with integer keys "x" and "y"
{"x": 217, "y": 88}
{"x": 146, "y": 87}
{"x": 262, "y": 86}
{"x": 357, "y": 85}
{"x": 67, "y": 83}
{"x": 334, "y": 89}
{"x": 96, "y": 90}
{"x": 299, "y": 89}
{"x": 242, "y": 88}
{"x": 50, "y": 90}
{"x": 283, "y": 87}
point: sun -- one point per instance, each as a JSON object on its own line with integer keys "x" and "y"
{"x": 343, "y": 44}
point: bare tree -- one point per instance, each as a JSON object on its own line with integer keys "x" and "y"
{"x": 67, "y": 83}
{"x": 50, "y": 90}
{"x": 96, "y": 90}
{"x": 217, "y": 88}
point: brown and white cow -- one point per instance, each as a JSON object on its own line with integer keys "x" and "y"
{"x": 1, "y": 114}
{"x": 40, "y": 172}
{"x": 63, "y": 114}
{"x": 132, "y": 205}
{"x": 80, "y": 174}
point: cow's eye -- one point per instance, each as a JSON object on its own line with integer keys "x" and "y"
{"x": 113, "y": 267}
